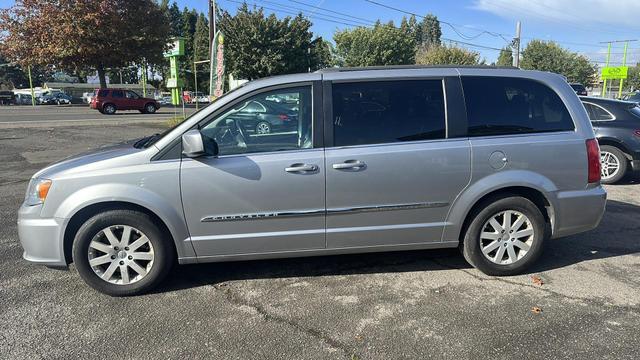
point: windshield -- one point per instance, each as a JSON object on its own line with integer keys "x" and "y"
{"x": 150, "y": 140}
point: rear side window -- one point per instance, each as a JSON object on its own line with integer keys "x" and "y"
{"x": 596, "y": 113}
{"x": 505, "y": 106}
{"x": 103, "y": 93}
{"x": 388, "y": 111}
{"x": 117, "y": 93}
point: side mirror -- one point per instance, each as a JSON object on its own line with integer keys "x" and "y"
{"x": 192, "y": 144}
{"x": 195, "y": 144}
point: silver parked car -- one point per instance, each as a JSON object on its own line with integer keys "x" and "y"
{"x": 493, "y": 161}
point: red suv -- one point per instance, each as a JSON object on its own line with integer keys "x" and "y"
{"x": 108, "y": 101}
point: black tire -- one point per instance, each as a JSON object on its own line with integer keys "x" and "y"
{"x": 149, "y": 108}
{"x": 471, "y": 245}
{"x": 622, "y": 161}
{"x": 108, "y": 109}
{"x": 263, "y": 127}
{"x": 163, "y": 260}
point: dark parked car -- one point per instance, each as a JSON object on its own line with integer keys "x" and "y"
{"x": 633, "y": 97}
{"x": 617, "y": 127}
{"x": 108, "y": 101}
{"x": 55, "y": 99}
{"x": 262, "y": 116}
{"x": 579, "y": 89}
{"x": 7, "y": 97}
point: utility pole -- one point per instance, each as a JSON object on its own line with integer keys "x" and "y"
{"x": 212, "y": 34}
{"x": 516, "y": 45}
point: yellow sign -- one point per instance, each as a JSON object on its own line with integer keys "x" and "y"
{"x": 614, "y": 72}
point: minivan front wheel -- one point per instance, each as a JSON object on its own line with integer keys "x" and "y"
{"x": 122, "y": 252}
{"x": 504, "y": 236}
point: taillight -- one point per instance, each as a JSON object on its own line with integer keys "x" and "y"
{"x": 637, "y": 133}
{"x": 593, "y": 159}
{"x": 283, "y": 117}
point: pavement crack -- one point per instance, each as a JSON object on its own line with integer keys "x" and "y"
{"x": 235, "y": 299}
{"x": 631, "y": 308}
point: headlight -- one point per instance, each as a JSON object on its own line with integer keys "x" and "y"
{"x": 37, "y": 191}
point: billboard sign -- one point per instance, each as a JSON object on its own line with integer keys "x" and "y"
{"x": 614, "y": 72}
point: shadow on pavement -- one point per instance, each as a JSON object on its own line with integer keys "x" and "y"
{"x": 616, "y": 236}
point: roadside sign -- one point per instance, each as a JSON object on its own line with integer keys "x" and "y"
{"x": 614, "y": 72}
{"x": 176, "y": 48}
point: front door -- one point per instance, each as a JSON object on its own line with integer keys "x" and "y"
{"x": 391, "y": 173}
{"x": 265, "y": 192}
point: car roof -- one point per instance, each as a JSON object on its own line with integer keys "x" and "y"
{"x": 605, "y": 100}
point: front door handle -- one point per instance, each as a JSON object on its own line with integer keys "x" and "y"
{"x": 350, "y": 164}
{"x": 296, "y": 168}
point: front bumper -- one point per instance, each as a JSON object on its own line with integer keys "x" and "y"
{"x": 578, "y": 211}
{"x": 635, "y": 165}
{"x": 41, "y": 239}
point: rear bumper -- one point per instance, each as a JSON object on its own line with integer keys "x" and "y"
{"x": 40, "y": 238}
{"x": 635, "y": 165}
{"x": 578, "y": 211}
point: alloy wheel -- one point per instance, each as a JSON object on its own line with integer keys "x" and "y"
{"x": 263, "y": 128}
{"x": 121, "y": 254}
{"x": 610, "y": 165}
{"x": 506, "y": 237}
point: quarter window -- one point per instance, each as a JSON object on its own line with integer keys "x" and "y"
{"x": 503, "y": 106}
{"x": 388, "y": 112}
{"x": 262, "y": 124}
{"x": 596, "y": 113}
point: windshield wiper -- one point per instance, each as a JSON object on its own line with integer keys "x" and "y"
{"x": 146, "y": 141}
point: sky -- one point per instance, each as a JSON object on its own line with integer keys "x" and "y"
{"x": 484, "y": 25}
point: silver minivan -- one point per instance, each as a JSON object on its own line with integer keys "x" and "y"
{"x": 493, "y": 161}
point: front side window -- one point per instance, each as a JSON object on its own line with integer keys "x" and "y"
{"x": 260, "y": 124}
{"x": 504, "y": 106}
{"x": 388, "y": 112}
{"x": 132, "y": 95}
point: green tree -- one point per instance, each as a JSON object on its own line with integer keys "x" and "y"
{"x": 549, "y": 56}
{"x": 430, "y": 30}
{"x": 257, "y": 45}
{"x": 506, "y": 57}
{"x": 382, "y": 44}
{"x": 447, "y": 55}
{"x": 79, "y": 34}
{"x": 632, "y": 82}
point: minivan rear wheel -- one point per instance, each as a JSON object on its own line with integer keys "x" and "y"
{"x": 613, "y": 164}
{"x": 122, "y": 253}
{"x": 505, "y": 236}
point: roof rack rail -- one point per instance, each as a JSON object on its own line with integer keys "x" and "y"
{"x": 400, "y": 67}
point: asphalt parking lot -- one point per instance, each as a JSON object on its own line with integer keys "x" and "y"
{"x": 424, "y": 304}
{"x": 80, "y": 114}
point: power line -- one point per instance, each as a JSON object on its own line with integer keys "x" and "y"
{"x": 318, "y": 8}
{"x": 294, "y": 13}
{"x": 451, "y": 25}
{"x": 346, "y": 18}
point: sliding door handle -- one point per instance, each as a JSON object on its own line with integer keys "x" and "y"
{"x": 296, "y": 168}
{"x": 350, "y": 164}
